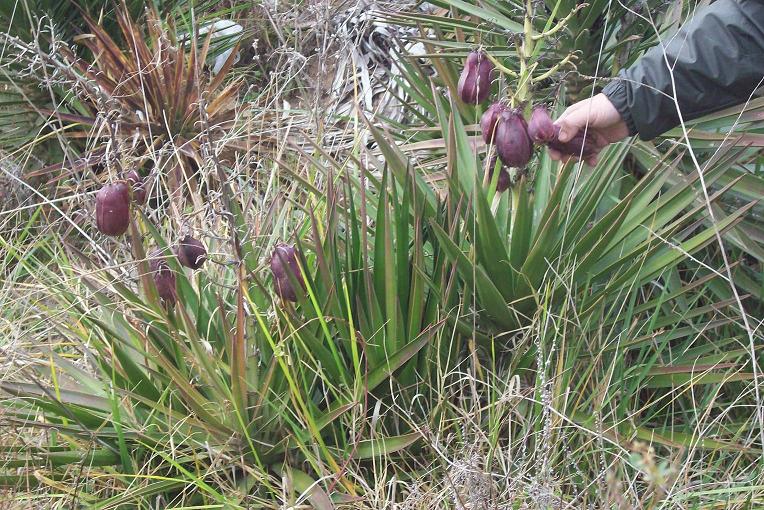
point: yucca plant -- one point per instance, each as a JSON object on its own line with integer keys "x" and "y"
{"x": 627, "y": 255}
{"x": 397, "y": 319}
{"x": 588, "y": 39}
{"x": 142, "y": 101}
{"x": 31, "y": 29}
{"x": 226, "y": 370}
{"x": 615, "y": 239}
{"x": 534, "y": 63}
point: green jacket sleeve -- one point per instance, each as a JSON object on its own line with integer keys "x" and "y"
{"x": 717, "y": 60}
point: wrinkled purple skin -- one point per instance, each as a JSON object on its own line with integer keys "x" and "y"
{"x": 574, "y": 146}
{"x": 511, "y": 139}
{"x": 488, "y": 121}
{"x": 475, "y": 81}
{"x": 113, "y": 208}
{"x": 191, "y": 252}
{"x": 540, "y": 127}
{"x": 163, "y": 276}
{"x": 284, "y": 259}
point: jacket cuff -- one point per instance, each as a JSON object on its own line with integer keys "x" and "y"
{"x": 616, "y": 92}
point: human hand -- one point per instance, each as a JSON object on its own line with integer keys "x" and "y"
{"x": 598, "y": 117}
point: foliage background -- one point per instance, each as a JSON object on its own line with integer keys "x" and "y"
{"x": 589, "y": 339}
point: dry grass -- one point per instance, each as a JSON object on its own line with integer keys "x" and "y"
{"x": 496, "y": 441}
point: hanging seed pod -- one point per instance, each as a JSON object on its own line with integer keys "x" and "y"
{"x": 580, "y": 145}
{"x": 191, "y": 252}
{"x": 511, "y": 139}
{"x": 284, "y": 263}
{"x": 133, "y": 177}
{"x": 540, "y": 127}
{"x": 113, "y": 208}
{"x": 138, "y": 186}
{"x": 163, "y": 276}
{"x": 139, "y": 193}
{"x": 503, "y": 181}
{"x": 475, "y": 81}
{"x": 489, "y": 120}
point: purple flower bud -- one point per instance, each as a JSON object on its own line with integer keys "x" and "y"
{"x": 138, "y": 186}
{"x": 540, "y": 128}
{"x": 284, "y": 263}
{"x": 504, "y": 181}
{"x": 475, "y": 81}
{"x": 113, "y": 208}
{"x": 139, "y": 193}
{"x": 511, "y": 139}
{"x": 133, "y": 177}
{"x": 191, "y": 252}
{"x": 163, "y": 276}
{"x": 489, "y": 119}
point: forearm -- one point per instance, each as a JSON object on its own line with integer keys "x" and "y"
{"x": 716, "y": 60}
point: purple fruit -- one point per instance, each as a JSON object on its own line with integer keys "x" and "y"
{"x": 163, "y": 276}
{"x": 113, "y": 208}
{"x": 284, "y": 263}
{"x": 133, "y": 177}
{"x": 139, "y": 193}
{"x": 191, "y": 252}
{"x": 511, "y": 139}
{"x": 138, "y": 186}
{"x": 504, "y": 181}
{"x": 475, "y": 81}
{"x": 540, "y": 127}
{"x": 488, "y": 121}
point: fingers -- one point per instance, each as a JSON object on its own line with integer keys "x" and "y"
{"x": 572, "y": 121}
{"x": 566, "y": 158}
{"x": 555, "y": 155}
{"x": 558, "y": 156}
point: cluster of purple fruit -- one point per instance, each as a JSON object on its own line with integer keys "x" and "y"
{"x": 113, "y": 202}
{"x": 506, "y": 128}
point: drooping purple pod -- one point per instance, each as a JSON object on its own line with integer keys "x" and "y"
{"x": 475, "y": 81}
{"x": 540, "y": 127}
{"x": 284, "y": 263}
{"x": 489, "y": 120}
{"x": 163, "y": 276}
{"x": 139, "y": 193}
{"x": 191, "y": 252}
{"x": 511, "y": 139}
{"x": 113, "y": 208}
{"x": 137, "y": 185}
{"x": 580, "y": 145}
{"x": 133, "y": 177}
{"x": 503, "y": 181}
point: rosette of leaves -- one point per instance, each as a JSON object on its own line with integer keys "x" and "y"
{"x": 147, "y": 93}
{"x": 226, "y": 373}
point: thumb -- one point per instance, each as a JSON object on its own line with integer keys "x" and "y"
{"x": 567, "y": 130}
